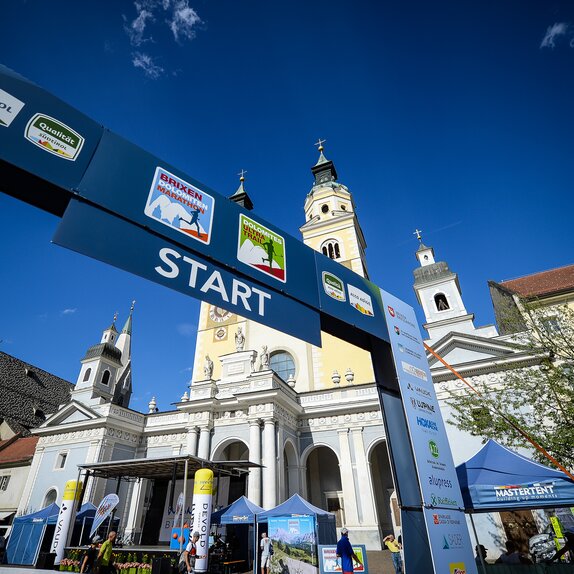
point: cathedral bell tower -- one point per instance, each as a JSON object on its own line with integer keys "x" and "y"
{"x": 439, "y": 294}
{"x": 332, "y": 227}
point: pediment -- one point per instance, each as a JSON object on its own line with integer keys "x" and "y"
{"x": 461, "y": 348}
{"x": 72, "y": 413}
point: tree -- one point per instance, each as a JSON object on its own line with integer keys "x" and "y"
{"x": 538, "y": 399}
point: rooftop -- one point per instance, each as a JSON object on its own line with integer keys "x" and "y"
{"x": 543, "y": 284}
{"x": 19, "y": 450}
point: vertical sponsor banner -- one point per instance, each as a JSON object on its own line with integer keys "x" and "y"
{"x": 104, "y": 509}
{"x": 445, "y": 521}
{"x": 71, "y": 494}
{"x": 201, "y": 509}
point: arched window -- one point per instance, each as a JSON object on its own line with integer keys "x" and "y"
{"x": 106, "y": 377}
{"x": 87, "y": 374}
{"x": 441, "y": 302}
{"x": 331, "y": 249}
{"x": 51, "y": 497}
{"x": 283, "y": 364}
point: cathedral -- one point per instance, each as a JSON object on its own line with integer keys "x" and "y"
{"x": 309, "y": 416}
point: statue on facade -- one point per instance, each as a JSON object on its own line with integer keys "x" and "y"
{"x": 264, "y": 358}
{"x": 239, "y": 340}
{"x": 208, "y": 367}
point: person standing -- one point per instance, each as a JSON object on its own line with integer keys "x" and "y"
{"x": 395, "y": 547}
{"x": 187, "y": 559}
{"x": 105, "y": 562}
{"x": 345, "y": 553}
{"x": 265, "y": 546}
{"x": 89, "y": 557}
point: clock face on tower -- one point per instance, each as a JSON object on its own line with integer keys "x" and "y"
{"x": 219, "y": 315}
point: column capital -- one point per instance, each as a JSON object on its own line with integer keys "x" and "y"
{"x": 269, "y": 421}
{"x": 255, "y": 422}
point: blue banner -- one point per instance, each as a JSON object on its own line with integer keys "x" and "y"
{"x": 450, "y": 544}
{"x": 95, "y": 233}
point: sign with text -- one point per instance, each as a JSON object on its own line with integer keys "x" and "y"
{"x": 329, "y": 563}
{"x": 439, "y": 486}
{"x": 97, "y": 234}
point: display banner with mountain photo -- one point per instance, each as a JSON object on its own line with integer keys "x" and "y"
{"x": 294, "y": 544}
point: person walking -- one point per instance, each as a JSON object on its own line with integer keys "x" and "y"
{"x": 90, "y": 556}
{"x": 395, "y": 547}
{"x": 104, "y": 561}
{"x": 265, "y": 546}
{"x": 345, "y": 553}
{"x": 188, "y": 556}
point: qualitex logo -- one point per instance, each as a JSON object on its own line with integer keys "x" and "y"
{"x": 261, "y": 248}
{"x": 427, "y": 423}
{"x": 433, "y": 448}
{"x": 54, "y": 137}
{"x": 9, "y": 108}
{"x": 333, "y": 286}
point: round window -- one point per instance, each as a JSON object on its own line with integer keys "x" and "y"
{"x": 283, "y": 364}
{"x": 325, "y": 208}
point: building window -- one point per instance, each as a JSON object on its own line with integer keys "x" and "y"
{"x": 87, "y": 374}
{"x": 4, "y": 480}
{"x": 325, "y": 208}
{"x": 61, "y": 460}
{"x": 441, "y": 302}
{"x": 50, "y": 497}
{"x": 343, "y": 207}
{"x": 331, "y": 249}
{"x": 106, "y": 377}
{"x": 551, "y": 325}
{"x": 283, "y": 364}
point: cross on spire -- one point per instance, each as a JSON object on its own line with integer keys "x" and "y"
{"x": 115, "y": 317}
{"x": 133, "y": 305}
{"x": 241, "y": 175}
{"x": 418, "y": 232}
{"x": 320, "y": 143}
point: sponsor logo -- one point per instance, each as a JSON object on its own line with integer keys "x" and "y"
{"x": 397, "y": 330}
{"x": 54, "y": 137}
{"x": 528, "y": 491}
{"x": 440, "y": 482}
{"x": 180, "y": 205}
{"x": 444, "y": 501}
{"x": 452, "y": 540}
{"x": 261, "y": 248}
{"x": 444, "y": 518}
{"x": 414, "y": 371}
{"x": 433, "y": 448}
{"x": 391, "y": 311}
{"x": 427, "y": 423}
{"x": 360, "y": 301}
{"x": 422, "y": 405}
{"x": 457, "y": 568}
{"x": 333, "y": 286}
{"x": 419, "y": 390}
{"x": 9, "y": 108}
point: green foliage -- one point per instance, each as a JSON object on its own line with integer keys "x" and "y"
{"x": 539, "y": 399}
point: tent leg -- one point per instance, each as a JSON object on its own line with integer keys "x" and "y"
{"x": 477, "y": 543}
{"x": 183, "y": 505}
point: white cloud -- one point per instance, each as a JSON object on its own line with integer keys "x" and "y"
{"x": 136, "y": 29}
{"x": 553, "y": 33}
{"x": 146, "y": 63}
{"x": 183, "y": 20}
{"x": 186, "y": 329}
{"x": 69, "y": 311}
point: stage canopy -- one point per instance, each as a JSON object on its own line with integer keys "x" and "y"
{"x": 497, "y": 478}
{"x": 242, "y": 511}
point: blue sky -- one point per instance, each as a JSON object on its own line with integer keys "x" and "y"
{"x": 453, "y": 117}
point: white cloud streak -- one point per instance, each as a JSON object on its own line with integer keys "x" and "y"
{"x": 183, "y": 20}
{"x": 554, "y": 33}
{"x": 146, "y": 63}
{"x": 69, "y": 311}
{"x": 186, "y": 329}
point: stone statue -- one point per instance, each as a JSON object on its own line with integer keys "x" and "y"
{"x": 264, "y": 358}
{"x": 208, "y": 367}
{"x": 253, "y": 359}
{"x": 239, "y": 340}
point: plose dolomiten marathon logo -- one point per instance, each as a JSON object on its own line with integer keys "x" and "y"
{"x": 180, "y": 205}
{"x": 261, "y": 248}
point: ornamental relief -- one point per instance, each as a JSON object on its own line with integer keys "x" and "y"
{"x": 369, "y": 418}
{"x": 73, "y": 436}
{"x": 124, "y": 435}
{"x": 175, "y": 439}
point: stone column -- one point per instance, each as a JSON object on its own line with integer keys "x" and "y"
{"x": 192, "y": 441}
{"x": 270, "y": 470}
{"x": 135, "y": 511}
{"x": 347, "y": 482}
{"x": 204, "y": 443}
{"x": 365, "y": 486}
{"x": 254, "y": 481}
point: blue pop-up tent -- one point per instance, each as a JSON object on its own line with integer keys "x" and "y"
{"x": 28, "y": 532}
{"x": 297, "y": 506}
{"x": 242, "y": 511}
{"x": 497, "y": 478}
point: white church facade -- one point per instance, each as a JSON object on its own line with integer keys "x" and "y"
{"x": 309, "y": 416}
